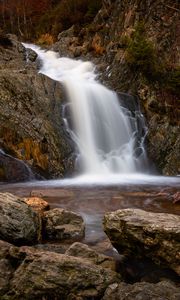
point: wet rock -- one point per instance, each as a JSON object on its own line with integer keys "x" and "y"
{"x": 13, "y": 169}
{"x": 60, "y": 224}
{"x": 154, "y": 235}
{"x": 37, "y": 204}
{"x": 82, "y": 250}
{"x": 19, "y": 224}
{"x": 163, "y": 145}
{"x": 31, "y": 55}
{"x": 67, "y": 42}
{"x": 142, "y": 291}
{"x": 56, "y": 276}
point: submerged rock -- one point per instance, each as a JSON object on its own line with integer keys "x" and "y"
{"x": 142, "y": 291}
{"x": 19, "y": 224}
{"x": 140, "y": 233}
{"x": 60, "y": 224}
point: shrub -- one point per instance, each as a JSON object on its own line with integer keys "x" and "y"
{"x": 141, "y": 54}
{"x": 45, "y": 39}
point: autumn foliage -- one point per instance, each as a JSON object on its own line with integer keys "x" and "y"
{"x": 29, "y": 19}
{"x": 20, "y": 16}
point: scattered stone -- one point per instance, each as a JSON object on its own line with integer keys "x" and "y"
{"x": 82, "y": 250}
{"x": 60, "y": 224}
{"x": 153, "y": 235}
{"x": 19, "y": 224}
{"x": 37, "y": 204}
{"x": 142, "y": 291}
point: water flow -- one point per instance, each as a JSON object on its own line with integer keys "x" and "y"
{"x": 104, "y": 131}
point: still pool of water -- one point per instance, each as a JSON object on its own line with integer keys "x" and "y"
{"x": 93, "y": 197}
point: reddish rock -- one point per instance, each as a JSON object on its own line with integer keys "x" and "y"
{"x": 37, "y": 204}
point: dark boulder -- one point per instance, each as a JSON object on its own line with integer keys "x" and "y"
{"x": 19, "y": 224}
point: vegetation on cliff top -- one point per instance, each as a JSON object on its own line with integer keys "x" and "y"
{"x": 142, "y": 56}
{"x": 29, "y": 19}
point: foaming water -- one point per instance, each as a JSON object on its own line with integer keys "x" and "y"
{"x": 119, "y": 180}
{"x": 104, "y": 132}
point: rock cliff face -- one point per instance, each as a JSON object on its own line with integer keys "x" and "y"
{"x": 135, "y": 46}
{"x": 31, "y": 126}
{"x": 140, "y": 45}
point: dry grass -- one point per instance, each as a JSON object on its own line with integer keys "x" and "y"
{"x": 45, "y": 39}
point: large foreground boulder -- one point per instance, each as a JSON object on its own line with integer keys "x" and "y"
{"x": 19, "y": 224}
{"x": 46, "y": 275}
{"x": 135, "y": 232}
{"x": 142, "y": 291}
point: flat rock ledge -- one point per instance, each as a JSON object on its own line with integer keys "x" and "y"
{"x": 135, "y": 232}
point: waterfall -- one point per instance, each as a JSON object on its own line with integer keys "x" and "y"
{"x": 104, "y": 132}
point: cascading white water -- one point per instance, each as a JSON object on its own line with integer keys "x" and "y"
{"x": 103, "y": 130}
